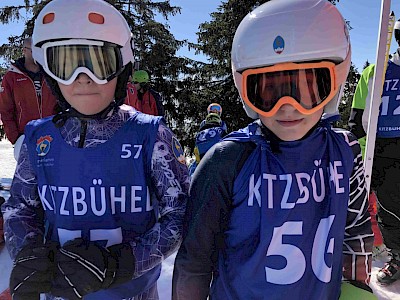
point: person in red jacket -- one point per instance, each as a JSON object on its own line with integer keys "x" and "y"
{"x": 24, "y": 95}
{"x": 142, "y": 97}
{"x": 148, "y": 107}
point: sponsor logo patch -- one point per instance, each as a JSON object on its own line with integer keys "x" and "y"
{"x": 178, "y": 151}
{"x": 43, "y": 145}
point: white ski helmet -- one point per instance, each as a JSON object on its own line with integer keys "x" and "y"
{"x": 98, "y": 30}
{"x": 290, "y": 31}
{"x": 76, "y": 19}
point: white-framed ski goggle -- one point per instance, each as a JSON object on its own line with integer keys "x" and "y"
{"x": 65, "y": 60}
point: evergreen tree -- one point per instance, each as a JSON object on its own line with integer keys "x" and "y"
{"x": 366, "y": 64}
{"x": 12, "y": 50}
{"x": 347, "y": 97}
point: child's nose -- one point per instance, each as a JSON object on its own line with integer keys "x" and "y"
{"x": 84, "y": 78}
{"x": 287, "y": 107}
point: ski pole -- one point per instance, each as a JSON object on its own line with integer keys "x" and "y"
{"x": 383, "y": 47}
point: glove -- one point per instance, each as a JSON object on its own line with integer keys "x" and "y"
{"x": 32, "y": 271}
{"x": 355, "y": 290}
{"x": 87, "y": 267}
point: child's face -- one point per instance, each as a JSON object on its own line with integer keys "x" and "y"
{"x": 289, "y": 124}
{"x": 88, "y": 97}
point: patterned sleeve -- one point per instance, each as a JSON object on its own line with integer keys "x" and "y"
{"x": 23, "y": 212}
{"x": 171, "y": 181}
{"x": 358, "y": 240}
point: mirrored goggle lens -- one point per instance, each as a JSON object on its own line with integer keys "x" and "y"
{"x": 309, "y": 87}
{"x": 215, "y": 108}
{"x": 103, "y": 61}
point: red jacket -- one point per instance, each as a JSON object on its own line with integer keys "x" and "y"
{"x": 147, "y": 105}
{"x": 19, "y": 102}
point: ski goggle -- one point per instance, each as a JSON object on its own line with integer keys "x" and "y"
{"x": 306, "y": 86}
{"x": 215, "y": 109}
{"x": 65, "y": 60}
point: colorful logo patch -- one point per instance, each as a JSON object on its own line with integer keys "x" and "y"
{"x": 43, "y": 145}
{"x": 279, "y": 44}
{"x": 178, "y": 151}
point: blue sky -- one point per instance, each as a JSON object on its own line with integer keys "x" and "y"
{"x": 364, "y": 16}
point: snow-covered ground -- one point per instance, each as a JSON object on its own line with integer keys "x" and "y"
{"x": 7, "y": 167}
{"x": 7, "y": 161}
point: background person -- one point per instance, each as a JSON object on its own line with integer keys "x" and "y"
{"x": 142, "y": 97}
{"x": 386, "y": 165}
{"x": 217, "y": 109}
{"x": 210, "y": 133}
{"x": 24, "y": 95}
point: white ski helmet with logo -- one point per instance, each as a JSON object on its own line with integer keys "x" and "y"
{"x": 282, "y": 31}
{"x": 76, "y": 19}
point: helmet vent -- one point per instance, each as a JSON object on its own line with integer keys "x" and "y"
{"x": 96, "y": 18}
{"x": 48, "y": 18}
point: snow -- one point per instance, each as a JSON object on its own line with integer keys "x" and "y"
{"x": 7, "y": 167}
{"x": 7, "y": 161}
{"x": 383, "y": 292}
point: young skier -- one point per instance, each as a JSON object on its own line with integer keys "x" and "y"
{"x": 386, "y": 166}
{"x": 210, "y": 133}
{"x": 217, "y": 109}
{"x": 99, "y": 193}
{"x": 278, "y": 210}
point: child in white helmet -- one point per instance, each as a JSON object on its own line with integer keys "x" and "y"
{"x": 99, "y": 192}
{"x": 278, "y": 210}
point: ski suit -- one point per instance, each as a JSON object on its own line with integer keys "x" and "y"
{"x": 129, "y": 179}
{"x": 149, "y": 102}
{"x": 386, "y": 164}
{"x": 207, "y": 137}
{"x": 23, "y": 99}
{"x": 284, "y": 224}
{"x": 223, "y": 125}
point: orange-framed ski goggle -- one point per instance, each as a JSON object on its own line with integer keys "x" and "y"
{"x": 306, "y": 86}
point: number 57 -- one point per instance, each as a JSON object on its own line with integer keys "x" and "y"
{"x": 126, "y": 151}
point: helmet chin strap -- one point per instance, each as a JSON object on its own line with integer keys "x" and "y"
{"x": 60, "y": 118}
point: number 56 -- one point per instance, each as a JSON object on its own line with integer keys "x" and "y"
{"x": 295, "y": 260}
